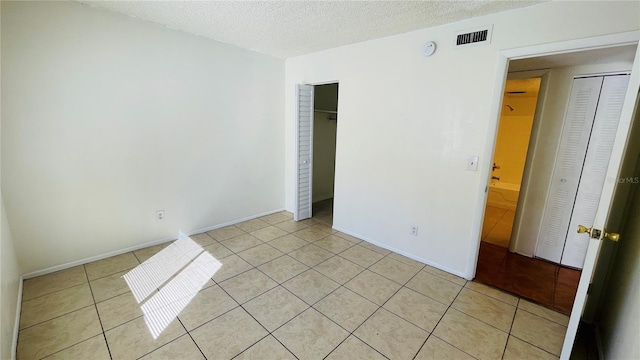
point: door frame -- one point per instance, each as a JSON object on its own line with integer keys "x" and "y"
{"x": 502, "y": 67}
{"x": 296, "y": 215}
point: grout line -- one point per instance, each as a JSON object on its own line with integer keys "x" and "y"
{"x": 256, "y": 320}
{"x": 312, "y": 305}
{"x": 352, "y": 333}
{"x": 78, "y": 343}
{"x": 53, "y": 292}
{"x": 421, "y": 346}
{"x": 111, "y": 274}
{"x": 95, "y": 304}
{"x": 439, "y": 338}
{"x": 536, "y": 346}
{"x": 355, "y": 337}
{"x": 494, "y": 298}
{"x": 191, "y": 337}
{"x": 482, "y": 321}
{"x": 513, "y": 321}
{"x": 206, "y": 322}
{"x": 442, "y": 317}
{"x": 543, "y": 317}
{"x": 57, "y": 316}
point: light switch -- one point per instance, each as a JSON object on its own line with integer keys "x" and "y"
{"x": 472, "y": 163}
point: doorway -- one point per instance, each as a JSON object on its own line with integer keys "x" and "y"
{"x": 315, "y": 149}
{"x": 325, "y": 126}
{"x": 510, "y": 264}
{"x": 509, "y": 158}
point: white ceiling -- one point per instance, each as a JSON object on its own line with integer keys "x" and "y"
{"x": 289, "y": 28}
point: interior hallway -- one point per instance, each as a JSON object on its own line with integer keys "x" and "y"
{"x": 543, "y": 282}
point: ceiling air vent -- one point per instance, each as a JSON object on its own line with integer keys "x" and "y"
{"x": 481, "y": 36}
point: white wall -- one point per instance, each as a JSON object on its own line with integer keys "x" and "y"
{"x": 107, "y": 119}
{"x": 9, "y": 285}
{"x": 407, "y": 124}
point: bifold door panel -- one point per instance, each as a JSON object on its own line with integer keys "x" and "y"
{"x": 587, "y": 137}
{"x": 304, "y": 151}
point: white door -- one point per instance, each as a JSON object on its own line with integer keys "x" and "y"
{"x": 574, "y": 140}
{"x": 606, "y": 199}
{"x": 594, "y": 170}
{"x": 579, "y": 174}
{"x": 304, "y": 151}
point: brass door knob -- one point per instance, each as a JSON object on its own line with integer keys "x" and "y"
{"x": 595, "y": 233}
{"x": 583, "y": 229}
{"x": 612, "y": 236}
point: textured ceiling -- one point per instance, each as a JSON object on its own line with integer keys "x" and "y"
{"x": 289, "y": 28}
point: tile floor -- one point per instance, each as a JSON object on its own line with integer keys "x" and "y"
{"x": 497, "y": 226}
{"x": 287, "y": 290}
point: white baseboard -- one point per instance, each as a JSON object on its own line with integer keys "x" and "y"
{"x": 409, "y": 255}
{"x": 16, "y": 325}
{"x": 233, "y": 222}
{"x": 139, "y": 246}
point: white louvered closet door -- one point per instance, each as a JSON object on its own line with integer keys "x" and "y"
{"x": 568, "y": 167}
{"x": 304, "y": 151}
{"x": 605, "y": 125}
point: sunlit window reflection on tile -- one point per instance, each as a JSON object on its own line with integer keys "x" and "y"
{"x": 151, "y": 274}
{"x": 192, "y": 267}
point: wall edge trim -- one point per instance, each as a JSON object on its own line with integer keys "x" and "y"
{"x": 140, "y": 246}
{"x": 16, "y": 325}
{"x": 404, "y": 253}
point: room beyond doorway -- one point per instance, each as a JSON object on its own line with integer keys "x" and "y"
{"x": 323, "y": 211}
{"x": 497, "y": 226}
{"x": 510, "y": 156}
{"x": 540, "y": 281}
{"x": 507, "y": 256}
{"x": 325, "y": 126}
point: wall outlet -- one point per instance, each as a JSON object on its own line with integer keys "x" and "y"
{"x": 160, "y": 215}
{"x": 414, "y": 230}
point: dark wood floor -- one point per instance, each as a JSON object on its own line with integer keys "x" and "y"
{"x": 545, "y": 283}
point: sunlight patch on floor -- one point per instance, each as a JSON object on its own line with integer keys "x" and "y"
{"x": 189, "y": 265}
